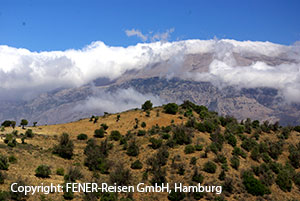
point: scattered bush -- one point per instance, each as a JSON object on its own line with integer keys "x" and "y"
{"x": 2, "y": 178}
{"x": 197, "y": 177}
{"x": 235, "y": 162}
{"x": 231, "y": 139}
{"x": 43, "y": 171}
{"x": 99, "y": 133}
{"x": 137, "y": 165}
{"x": 65, "y": 147}
{"x": 60, "y": 171}
{"x": 284, "y": 181}
{"x": 104, "y": 126}
{"x": 73, "y": 174}
{"x": 198, "y": 147}
{"x": 155, "y": 143}
{"x": 133, "y": 149}
{"x": 181, "y": 135}
{"x": 189, "y": 149}
{"x": 115, "y": 135}
{"x": 238, "y": 152}
{"x": 12, "y": 159}
{"x": 120, "y": 176}
{"x": 29, "y": 133}
{"x": 171, "y": 108}
{"x": 24, "y": 123}
{"x": 176, "y": 196}
{"x": 3, "y": 163}
{"x": 19, "y": 195}
{"x": 193, "y": 161}
{"x": 248, "y": 144}
{"x": 141, "y": 132}
{"x": 82, "y": 136}
{"x": 143, "y": 124}
{"x": 253, "y": 185}
{"x": 210, "y": 167}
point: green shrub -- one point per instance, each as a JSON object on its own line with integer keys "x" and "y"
{"x": 143, "y": 124}
{"x": 82, "y": 136}
{"x": 99, "y": 133}
{"x": 19, "y": 195}
{"x": 235, "y": 162}
{"x": 12, "y": 159}
{"x": 65, "y": 147}
{"x": 141, "y": 132}
{"x": 297, "y": 128}
{"x": 189, "y": 149}
{"x": 2, "y": 178}
{"x": 181, "y": 135}
{"x": 171, "y": 108}
{"x": 210, "y": 167}
{"x": 3, "y": 163}
{"x": 137, "y": 165}
{"x": 238, "y": 152}
{"x": 133, "y": 149}
{"x": 193, "y": 161}
{"x": 165, "y": 136}
{"x": 296, "y": 179}
{"x": 73, "y": 174}
{"x": 43, "y": 171}
{"x": 253, "y": 185}
{"x": 155, "y": 143}
{"x": 231, "y": 139}
{"x": 222, "y": 175}
{"x": 284, "y": 181}
{"x": 295, "y": 156}
{"x": 255, "y": 153}
{"x": 29, "y": 133}
{"x": 60, "y": 171}
{"x": 197, "y": 177}
{"x": 198, "y": 147}
{"x": 104, "y": 126}
{"x": 248, "y": 144}
{"x": 115, "y": 135}
{"x": 120, "y": 176}
{"x": 176, "y": 196}
{"x": 147, "y": 105}
{"x": 266, "y": 158}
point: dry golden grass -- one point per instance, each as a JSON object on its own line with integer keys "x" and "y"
{"x": 38, "y": 150}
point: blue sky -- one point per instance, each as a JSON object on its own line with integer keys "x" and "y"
{"x": 41, "y": 25}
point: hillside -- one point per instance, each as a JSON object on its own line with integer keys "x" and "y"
{"x": 251, "y": 160}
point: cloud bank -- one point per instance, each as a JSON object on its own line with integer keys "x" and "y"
{"x": 121, "y": 100}
{"x": 25, "y": 74}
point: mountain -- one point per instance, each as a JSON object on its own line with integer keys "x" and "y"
{"x": 245, "y": 79}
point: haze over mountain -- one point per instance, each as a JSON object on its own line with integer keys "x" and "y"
{"x": 260, "y": 80}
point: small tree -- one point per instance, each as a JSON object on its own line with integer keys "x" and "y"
{"x": 210, "y": 167}
{"x": 13, "y": 124}
{"x": 35, "y": 123}
{"x": 24, "y": 123}
{"x": 147, "y": 105}
{"x": 171, "y": 108}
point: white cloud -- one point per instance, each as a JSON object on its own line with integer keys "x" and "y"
{"x": 24, "y": 74}
{"x": 151, "y": 36}
{"x": 120, "y": 100}
{"x": 135, "y": 32}
{"x": 162, "y": 36}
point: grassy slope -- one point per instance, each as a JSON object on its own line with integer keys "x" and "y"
{"x": 38, "y": 151}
